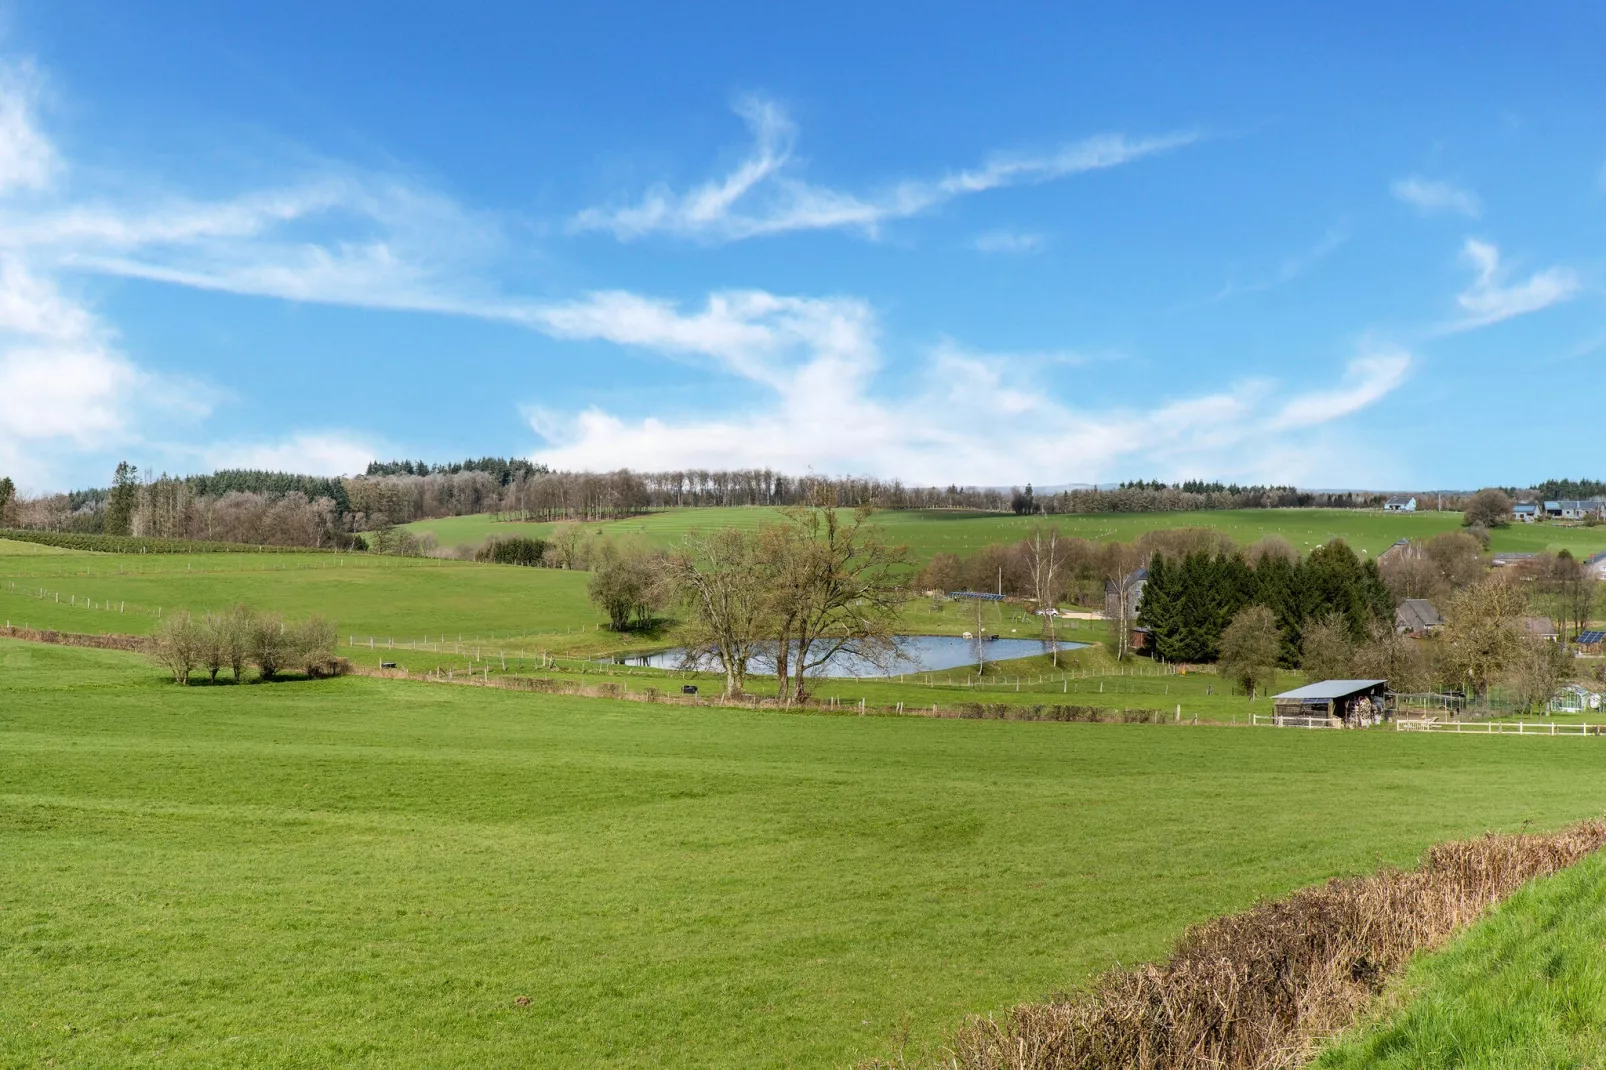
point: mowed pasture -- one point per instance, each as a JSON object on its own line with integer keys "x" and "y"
{"x": 405, "y": 598}
{"x": 359, "y": 872}
{"x": 930, "y": 532}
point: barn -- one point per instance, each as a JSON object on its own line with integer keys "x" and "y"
{"x": 1353, "y": 703}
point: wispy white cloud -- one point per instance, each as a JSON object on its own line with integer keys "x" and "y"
{"x": 1490, "y": 300}
{"x": 1009, "y": 241}
{"x": 1292, "y": 268}
{"x": 762, "y": 195}
{"x": 971, "y": 417}
{"x": 1431, "y": 196}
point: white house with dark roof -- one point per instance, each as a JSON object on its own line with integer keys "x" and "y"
{"x": 1400, "y": 504}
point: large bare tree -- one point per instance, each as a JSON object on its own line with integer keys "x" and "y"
{"x": 724, "y": 582}
{"x": 837, "y": 590}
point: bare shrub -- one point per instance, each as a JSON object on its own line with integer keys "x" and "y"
{"x": 179, "y": 645}
{"x": 310, "y": 644}
{"x": 1254, "y": 990}
{"x": 270, "y": 645}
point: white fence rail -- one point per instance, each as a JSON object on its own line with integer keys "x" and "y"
{"x": 1499, "y": 728}
{"x": 1278, "y": 720}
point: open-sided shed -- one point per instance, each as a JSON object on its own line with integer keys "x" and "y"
{"x": 1355, "y": 702}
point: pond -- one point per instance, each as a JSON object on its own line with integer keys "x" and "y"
{"x": 916, "y": 653}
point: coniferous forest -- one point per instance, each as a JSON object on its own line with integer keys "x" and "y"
{"x": 1189, "y": 601}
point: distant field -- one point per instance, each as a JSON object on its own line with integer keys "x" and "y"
{"x": 930, "y": 532}
{"x": 384, "y": 596}
{"x": 360, "y": 872}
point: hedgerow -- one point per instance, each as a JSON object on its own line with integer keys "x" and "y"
{"x": 134, "y": 544}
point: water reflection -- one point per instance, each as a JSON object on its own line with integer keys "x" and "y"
{"x": 915, "y": 653}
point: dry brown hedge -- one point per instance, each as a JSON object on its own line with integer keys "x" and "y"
{"x": 97, "y": 642}
{"x": 1256, "y": 990}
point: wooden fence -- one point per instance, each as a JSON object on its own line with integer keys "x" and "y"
{"x": 1499, "y": 728}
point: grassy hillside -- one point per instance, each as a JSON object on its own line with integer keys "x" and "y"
{"x": 366, "y": 594}
{"x": 929, "y": 532}
{"x": 1524, "y": 988}
{"x": 359, "y": 872}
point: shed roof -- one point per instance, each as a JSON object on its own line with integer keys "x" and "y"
{"x": 1327, "y": 690}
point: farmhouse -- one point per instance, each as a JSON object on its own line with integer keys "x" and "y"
{"x": 1595, "y": 565}
{"x": 1416, "y": 617}
{"x": 1352, "y": 702}
{"x": 1527, "y": 512}
{"x": 1573, "y": 509}
{"x": 1400, "y": 504}
{"x": 1133, "y": 587}
{"x": 1504, "y": 560}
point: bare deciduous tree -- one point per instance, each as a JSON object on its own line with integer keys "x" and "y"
{"x": 841, "y": 588}
{"x": 1046, "y": 558}
{"x": 179, "y": 645}
{"x": 1481, "y": 631}
{"x": 722, "y": 581}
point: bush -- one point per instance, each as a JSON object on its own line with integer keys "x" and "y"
{"x": 311, "y": 645}
{"x": 269, "y": 645}
{"x": 518, "y": 550}
{"x": 179, "y": 645}
{"x": 627, "y": 587}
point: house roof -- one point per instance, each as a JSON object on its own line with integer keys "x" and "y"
{"x": 1538, "y": 626}
{"x": 1400, "y": 499}
{"x": 1328, "y": 690}
{"x": 1418, "y": 615}
{"x": 1510, "y": 559}
{"x": 1595, "y": 558}
{"x": 1525, "y": 507}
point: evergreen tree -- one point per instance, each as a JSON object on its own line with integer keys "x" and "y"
{"x": 1158, "y": 610}
{"x": 124, "y": 496}
{"x": 1275, "y": 589}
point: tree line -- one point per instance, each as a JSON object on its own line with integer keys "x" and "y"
{"x": 289, "y": 509}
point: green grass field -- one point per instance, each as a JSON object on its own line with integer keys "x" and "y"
{"x": 359, "y": 872}
{"x": 929, "y": 532}
{"x": 1525, "y": 987}
{"x": 363, "y": 594}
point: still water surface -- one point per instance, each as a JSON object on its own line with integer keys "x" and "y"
{"x": 916, "y": 653}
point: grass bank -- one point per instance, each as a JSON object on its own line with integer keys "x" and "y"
{"x": 1524, "y": 988}
{"x": 361, "y": 872}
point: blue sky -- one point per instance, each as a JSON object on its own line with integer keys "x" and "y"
{"x": 941, "y": 243}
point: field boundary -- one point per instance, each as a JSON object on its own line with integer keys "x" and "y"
{"x": 1259, "y": 989}
{"x": 109, "y": 641}
{"x": 1499, "y": 728}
